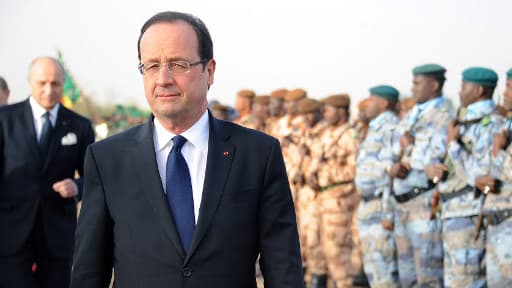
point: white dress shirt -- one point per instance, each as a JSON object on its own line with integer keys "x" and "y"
{"x": 195, "y": 152}
{"x": 38, "y": 112}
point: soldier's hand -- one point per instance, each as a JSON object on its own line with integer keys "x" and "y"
{"x": 66, "y": 188}
{"x": 499, "y": 142}
{"x": 406, "y": 140}
{"x": 304, "y": 150}
{"x": 298, "y": 179}
{"x": 453, "y": 132}
{"x": 386, "y": 224}
{"x": 435, "y": 170}
{"x": 312, "y": 182}
{"x": 398, "y": 170}
{"x": 485, "y": 181}
{"x": 285, "y": 141}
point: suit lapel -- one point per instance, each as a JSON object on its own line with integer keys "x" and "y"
{"x": 28, "y": 129}
{"x": 218, "y": 165}
{"x": 147, "y": 170}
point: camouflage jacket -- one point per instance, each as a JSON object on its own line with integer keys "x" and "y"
{"x": 428, "y": 124}
{"x": 470, "y": 157}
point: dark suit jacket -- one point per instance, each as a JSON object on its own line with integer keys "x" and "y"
{"x": 26, "y": 179}
{"x": 246, "y": 209}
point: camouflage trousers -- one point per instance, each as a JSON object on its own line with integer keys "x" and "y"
{"x": 305, "y": 218}
{"x": 329, "y": 236}
{"x": 499, "y": 254}
{"x": 418, "y": 243}
{"x": 464, "y": 264}
{"x": 377, "y": 245}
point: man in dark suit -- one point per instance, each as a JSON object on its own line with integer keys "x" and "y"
{"x": 42, "y": 144}
{"x": 185, "y": 200}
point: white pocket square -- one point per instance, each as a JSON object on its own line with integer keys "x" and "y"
{"x": 69, "y": 139}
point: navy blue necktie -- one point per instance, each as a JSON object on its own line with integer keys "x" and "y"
{"x": 46, "y": 134}
{"x": 179, "y": 192}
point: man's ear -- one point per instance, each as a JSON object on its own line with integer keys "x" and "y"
{"x": 210, "y": 69}
{"x": 434, "y": 84}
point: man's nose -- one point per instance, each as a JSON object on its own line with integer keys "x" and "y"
{"x": 164, "y": 77}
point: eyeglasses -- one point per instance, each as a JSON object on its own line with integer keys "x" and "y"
{"x": 175, "y": 67}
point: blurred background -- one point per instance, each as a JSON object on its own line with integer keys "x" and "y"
{"x": 324, "y": 47}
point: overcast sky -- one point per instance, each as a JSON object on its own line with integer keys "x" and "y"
{"x": 324, "y": 47}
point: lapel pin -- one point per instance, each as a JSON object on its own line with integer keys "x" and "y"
{"x": 226, "y": 153}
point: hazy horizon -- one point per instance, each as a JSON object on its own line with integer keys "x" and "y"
{"x": 325, "y": 47}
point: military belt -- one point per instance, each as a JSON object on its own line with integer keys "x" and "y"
{"x": 416, "y": 191}
{"x": 335, "y": 185}
{"x": 370, "y": 197}
{"x": 448, "y": 196}
{"x": 496, "y": 217}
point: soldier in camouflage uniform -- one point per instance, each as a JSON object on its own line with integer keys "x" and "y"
{"x": 289, "y": 135}
{"x": 468, "y": 157}
{"x": 333, "y": 178}
{"x": 310, "y": 111}
{"x": 423, "y": 141}
{"x": 275, "y": 111}
{"x": 372, "y": 182}
{"x": 497, "y": 207}
{"x": 316, "y": 264}
{"x": 243, "y": 105}
{"x": 260, "y": 111}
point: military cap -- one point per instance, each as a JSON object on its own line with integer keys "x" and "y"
{"x": 295, "y": 94}
{"x": 385, "y": 91}
{"x": 481, "y": 76}
{"x": 338, "y": 100}
{"x": 263, "y": 99}
{"x": 279, "y": 93}
{"x": 308, "y": 105}
{"x": 509, "y": 74}
{"x": 246, "y": 93}
{"x": 434, "y": 70}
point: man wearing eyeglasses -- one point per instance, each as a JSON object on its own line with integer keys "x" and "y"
{"x": 185, "y": 200}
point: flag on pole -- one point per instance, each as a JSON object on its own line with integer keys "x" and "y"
{"x": 71, "y": 92}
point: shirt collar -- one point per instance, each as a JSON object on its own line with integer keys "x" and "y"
{"x": 421, "y": 108}
{"x": 480, "y": 109}
{"x": 38, "y": 111}
{"x": 381, "y": 119}
{"x": 197, "y": 135}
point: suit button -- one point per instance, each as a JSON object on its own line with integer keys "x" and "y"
{"x": 187, "y": 272}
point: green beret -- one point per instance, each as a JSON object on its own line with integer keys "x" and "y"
{"x": 481, "y": 76}
{"x": 509, "y": 74}
{"x": 434, "y": 70}
{"x": 385, "y": 91}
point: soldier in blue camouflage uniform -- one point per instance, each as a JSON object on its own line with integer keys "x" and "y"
{"x": 372, "y": 183}
{"x": 423, "y": 141}
{"x": 468, "y": 157}
{"x": 498, "y": 204}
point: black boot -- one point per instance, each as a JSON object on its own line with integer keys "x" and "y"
{"x": 360, "y": 280}
{"x": 318, "y": 281}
